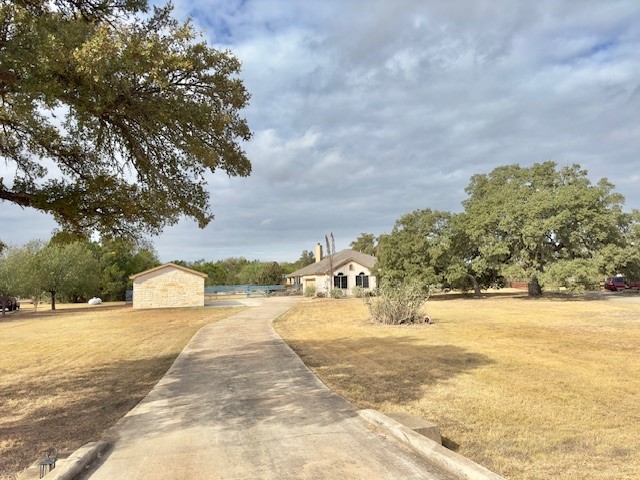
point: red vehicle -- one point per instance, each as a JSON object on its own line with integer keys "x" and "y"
{"x": 633, "y": 285}
{"x": 615, "y": 284}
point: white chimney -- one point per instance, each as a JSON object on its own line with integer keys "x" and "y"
{"x": 318, "y": 252}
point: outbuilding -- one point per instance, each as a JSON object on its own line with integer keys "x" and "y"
{"x": 168, "y": 286}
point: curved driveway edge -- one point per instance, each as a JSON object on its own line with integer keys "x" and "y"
{"x": 238, "y": 403}
{"x": 456, "y": 464}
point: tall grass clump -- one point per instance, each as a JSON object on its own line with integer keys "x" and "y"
{"x": 397, "y": 304}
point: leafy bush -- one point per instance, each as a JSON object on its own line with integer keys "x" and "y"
{"x": 336, "y": 293}
{"x": 397, "y": 304}
{"x": 357, "y": 291}
{"x": 575, "y": 275}
{"x": 321, "y": 294}
{"x": 309, "y": 291}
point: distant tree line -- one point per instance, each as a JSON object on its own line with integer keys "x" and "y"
{"x": 240, "y": 271}
{"x": 73, "y": 269}
{"x": 546, "y": 225}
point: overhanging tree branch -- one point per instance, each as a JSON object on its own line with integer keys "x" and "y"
{"x": 100, "y": 91}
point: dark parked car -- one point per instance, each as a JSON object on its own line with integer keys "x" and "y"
{"x": 10, "y": 304}
{"x": 615, "y": 284}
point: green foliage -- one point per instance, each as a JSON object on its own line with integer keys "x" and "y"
{"x": 250, "y": 273}
{"x": 358, "y": 291}
{"x": 77, "y": 270}
{"x": 306, "y": 258}
{"x": 216, "y": 273}
{"x": 336, "y": 293}
{"x": 6, "y": 284}
{"x": 271, "y": 274}
{"x": 120, "y": 259}
{"x": 531, "y": 218}
{"x": 365, "y": 243}
{"x": 131, "y": 108}
{"x": 397, "y": 303}
{"x": 416, "y": 249}
{"x": 615, "y": 259}
{"x": 239, "y": 271}
{"x": 575, "y": 275}
{"x": 68, "y": 270}
{"x": 309, "y": 291}
{"x": 548, "y": 225}
{"x": 24, "y": 271}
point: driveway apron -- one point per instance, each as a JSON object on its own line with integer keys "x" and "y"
{"x": 238, "y": 403}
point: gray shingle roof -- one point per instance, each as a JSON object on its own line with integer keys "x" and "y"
{"x": 339, "y": 259}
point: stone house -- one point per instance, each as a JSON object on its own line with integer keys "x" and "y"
{"x": 168, "y": 286}
{"x": 350, "y": 269}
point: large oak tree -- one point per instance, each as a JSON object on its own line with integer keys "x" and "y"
{"x": 544, "y": 221}
{"x": 544, "y": 224}
{"x": 111, "y": 115}
{"x": 415, "y": 249}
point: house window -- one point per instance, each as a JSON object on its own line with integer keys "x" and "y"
{"x": 351, "y": 267}
{"x": 362, "y": 280}
{"x": 340, "y": 281}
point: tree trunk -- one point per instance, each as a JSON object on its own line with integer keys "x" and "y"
{"x": 534, "y": 287}
{"x": 476, "y": 287}
{"x": 53, "y": 300}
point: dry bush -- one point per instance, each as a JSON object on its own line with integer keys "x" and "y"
{"x": 397, "y": 304}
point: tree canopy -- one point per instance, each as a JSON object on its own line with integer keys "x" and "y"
{"x": 526, "y": 220}
{"x": 111, "y": 115}
{"x": 412, "y": 249}
{"x": 543, "y": 224}
{"x": 365, "y": 243}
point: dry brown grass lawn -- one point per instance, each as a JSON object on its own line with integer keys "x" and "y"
{"x": 67, "y": 376}
{"x": 532, "y": 389}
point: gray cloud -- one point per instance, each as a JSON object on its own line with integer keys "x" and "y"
{"x": 363, "y": 111}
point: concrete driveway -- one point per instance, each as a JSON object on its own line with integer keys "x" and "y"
{"x": 239, "y": 404}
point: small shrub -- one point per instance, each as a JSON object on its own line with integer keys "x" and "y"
{"x": 309, "y": 291}
{"x": 397, "y": 304}
{"x": 321, "y": 294}
{"x": 358, "y": 291}
{"x": 336, "y": 293}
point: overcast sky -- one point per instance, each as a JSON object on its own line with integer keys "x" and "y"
{"x": 365, "y": 110}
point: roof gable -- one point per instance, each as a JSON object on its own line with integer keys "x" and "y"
{"x": 339, "y": 259}
{"x": 168, "y": 265}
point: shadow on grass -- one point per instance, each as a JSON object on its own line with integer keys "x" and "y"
{"x": 265, "y": 383}
{"x": 45, "y": 312}
{"x": 523, "y": 295}
{"x": 371, "y": 371}
{"x": 262, "y": 389}
{"x": 77, "y": 408}
{"x": 230, "y": 390}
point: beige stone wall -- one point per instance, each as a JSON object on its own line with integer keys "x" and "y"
{"x": 168, "y": 288}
